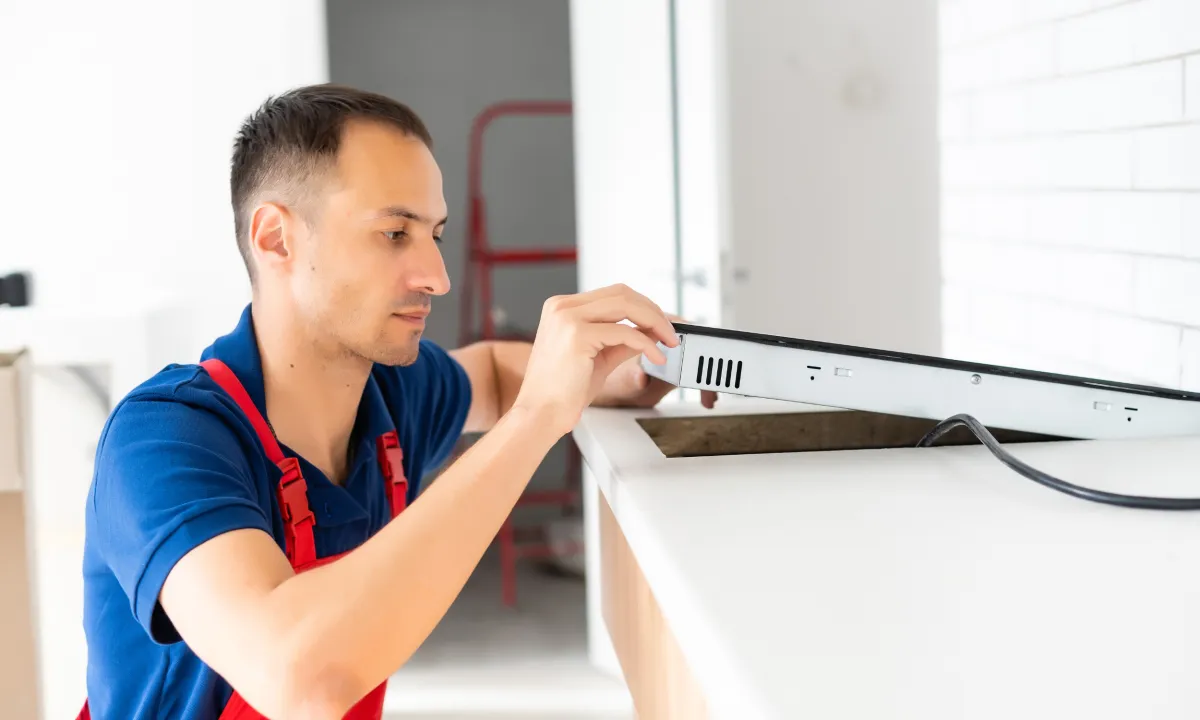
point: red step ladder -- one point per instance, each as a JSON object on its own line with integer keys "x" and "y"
{"x": 481, "y": 261}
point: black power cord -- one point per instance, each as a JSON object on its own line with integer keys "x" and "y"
{"x": 985, "y": 436}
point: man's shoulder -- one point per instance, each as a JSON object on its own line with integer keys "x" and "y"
{"x": 177, "y": 403}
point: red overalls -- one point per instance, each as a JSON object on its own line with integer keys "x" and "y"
{"x": 298, "y": 521}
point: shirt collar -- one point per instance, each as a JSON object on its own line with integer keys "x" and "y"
{"x": 239, "y": 350}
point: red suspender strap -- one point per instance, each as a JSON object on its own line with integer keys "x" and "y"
{"x": 390, "y": 462}
{"x": 298, "y": 519}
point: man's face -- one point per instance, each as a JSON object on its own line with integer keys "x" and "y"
{"x": 366, "y": 273}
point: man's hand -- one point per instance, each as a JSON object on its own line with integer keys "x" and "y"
{"x": 580, "y": 342}
{"x": 498, "y": 371}
{"x": 630, "y": 386}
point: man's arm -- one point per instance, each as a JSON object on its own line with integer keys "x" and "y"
{"x": 311, "y": 645}
{"x": 496, "y": 369}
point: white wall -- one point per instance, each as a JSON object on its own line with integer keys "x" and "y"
{"x": 833, "y": 170}
{"x": 119, "y": 120}
{"x": 1071, "y": 148}
{"x": 118, "y": 123}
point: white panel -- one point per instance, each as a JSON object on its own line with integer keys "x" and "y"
{"x": 704, "y": 200}
{"x": 624, "y": 174}
{"x": 834, "y": 162}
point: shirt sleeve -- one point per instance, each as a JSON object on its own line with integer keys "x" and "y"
{"x": 169, "y": 477}
{"x": 437, "y": 396}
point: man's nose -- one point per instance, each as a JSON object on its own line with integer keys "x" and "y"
{"x": 429, "y": 269}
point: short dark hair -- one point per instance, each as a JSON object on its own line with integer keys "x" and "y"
{"x": 294, "y": 137}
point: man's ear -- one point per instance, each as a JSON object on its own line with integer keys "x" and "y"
{"x": 271, "y": 239}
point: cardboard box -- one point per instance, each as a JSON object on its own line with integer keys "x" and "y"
{"x": 18, "y": 655}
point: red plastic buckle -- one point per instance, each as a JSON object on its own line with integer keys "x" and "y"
{"x": 391, "y": 464}
{"x": 293, "y": 494}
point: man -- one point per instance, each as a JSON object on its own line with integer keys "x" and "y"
{"x": 223, "y": 490}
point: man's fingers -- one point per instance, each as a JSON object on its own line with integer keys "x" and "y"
{"x": 583, "y": 298}
{"x": 614, "y": 304}
{"x": 638, "y": 310}
{"x": 633, "y": 338}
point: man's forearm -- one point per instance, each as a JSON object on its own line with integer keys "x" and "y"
{"x": 368, "y": 612}
{"x": 510, "y": 358}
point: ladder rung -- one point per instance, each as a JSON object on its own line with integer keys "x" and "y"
{"x": 528, "y": 255}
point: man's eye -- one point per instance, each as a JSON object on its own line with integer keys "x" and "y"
{"x": 395, "y": 235}
{"x": 437, "y": 238}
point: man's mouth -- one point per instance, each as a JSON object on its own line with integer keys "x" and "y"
{"x": 416, "y": 316}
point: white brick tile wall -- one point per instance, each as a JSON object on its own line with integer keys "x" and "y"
{"x": 1143, "y": 223}
{"x": 1023, "y": 54}
{"x": 1127, "y": 97}
{"x": 1191, "y": 226}
{"x": 1100, "y": 280}
{"x": 1137, "y": 223}
{"x": 1055, "y": 9}
{"x": 1099, "y": 40}
{"x": 986, "y": 216}
{"x": 1169, "y": 290}
{"x": 1165, "y": 27}
{"x": 989, "y": 17}
{"x": 955, "y": 118}
{"x": 1168, "y": 157}
{"x": 1190, "y": 359}
{"x": 1090, "y": 161}
{"x": 1192, "y": 87}
{"x": 956, "y": 311}
{"x": 1093, "y": 161}
{"x": 1098, "y": 4}
{"x": 953, "y": 24}
{"x": 1071, "y": 185}
{"x": 1112, "y": 347}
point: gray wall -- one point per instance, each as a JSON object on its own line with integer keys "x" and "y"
{"x": 449, "y": 59}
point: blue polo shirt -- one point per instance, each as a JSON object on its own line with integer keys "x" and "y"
{"x": 179, "y": 464}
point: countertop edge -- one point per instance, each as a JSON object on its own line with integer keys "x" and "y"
{"x": 728, "y": 692}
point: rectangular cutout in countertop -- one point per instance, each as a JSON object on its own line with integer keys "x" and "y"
{"x": 701, "y": 435}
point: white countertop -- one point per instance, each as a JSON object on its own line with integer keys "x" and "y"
{"x": 915, "y": 583}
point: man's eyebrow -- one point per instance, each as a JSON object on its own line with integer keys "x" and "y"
{"x": 402, "y": 212}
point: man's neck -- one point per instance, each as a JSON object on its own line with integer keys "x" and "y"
{"x": 313, "y": 391}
